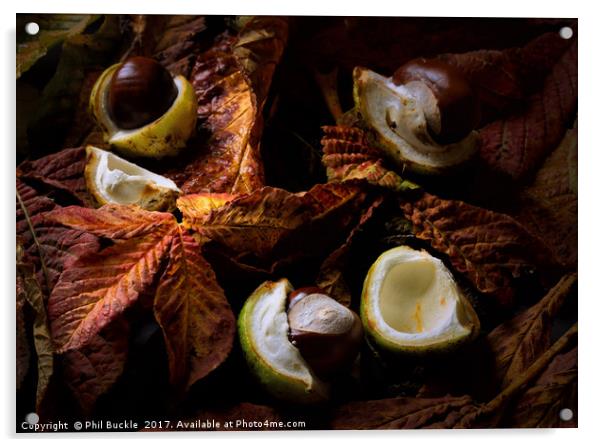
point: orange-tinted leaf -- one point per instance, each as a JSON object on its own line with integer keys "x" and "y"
{"x": 197, "y": 322}
{"x": 489, "y": 248}
{"x": 228, "y": 112}
{"x": 515, "y": 146}
{"x": 548, "y": 207}
{"x": 349, "y": 156}
{"x": 554, "y": 390}
{"x": 91, "y": 370}
{"x": 517, "y": 343}
{"x": 98, "y": 288}
{"x": 113, "y": 221}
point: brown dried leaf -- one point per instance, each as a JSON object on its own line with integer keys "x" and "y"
{"x": 331, "y": 275}
{"x": 197, "y": 322}
{"x": 22, "y": 349}
{"x": 259, "y": 48}
{"x": 402, "y": 413}
{"x": 29, "y": 291}
{"x": 516, "y": 145}
{"x": 272, "y": 226}
{"x": 488, "y": 248}
{"x": 93, "y": 369}
{"x": 349, "y": 156}
{"x": 517, "y": 343}
{"x": 554, "y": 390}
{"x": 548, "y": 207}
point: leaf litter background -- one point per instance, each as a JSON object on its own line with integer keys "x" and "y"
{"x": 127, "y": 313}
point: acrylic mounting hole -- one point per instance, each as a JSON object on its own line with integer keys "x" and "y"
{"x": 566, "y": 32}
{"x": 32, "y": 28}
{"x": 32, "y": 418}
{"x": 566, "y": 414}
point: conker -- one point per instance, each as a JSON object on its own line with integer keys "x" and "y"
{"x": 140, "y": 91}
{"x": 327, "y": 334}
{"x": 450, "y": 103}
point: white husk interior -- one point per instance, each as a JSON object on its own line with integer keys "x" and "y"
{"x": 120, "y": 181}
{"x": 414, "y": 299}
{"x": 383, "y": 102}
{"x": 269, "y": 336}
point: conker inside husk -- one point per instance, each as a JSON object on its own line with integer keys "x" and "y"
{"x": 327, "y": 334}
{"x": 456, "y": 101}
{"x": 140, "y": 91}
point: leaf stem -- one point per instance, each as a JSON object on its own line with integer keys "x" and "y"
{"x": 35, "y": 239}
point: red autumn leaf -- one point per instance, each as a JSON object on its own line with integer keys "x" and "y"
{"x": 518, "y": 342}
{"x": 516, "y": 145}
{"x": 50, "y": 247}
{"x": 548, "y": 207}
{"x": 63, "y": 170}
{"x": 556, "y": 389}
{"x": 349, "y": 156}
{"x": 488, "y": 248}
{"x": 271, "y": 225}
{"x": 93, "y": 369}
{"x": 189, "y": 305}
{"x": 188, "y": 287}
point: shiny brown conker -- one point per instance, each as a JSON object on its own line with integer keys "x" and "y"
{"x": 140, "y": 91}
{"x": 455, "y": 107}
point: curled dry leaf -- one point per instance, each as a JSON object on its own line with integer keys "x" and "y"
{"x": 29, "y": 291}
{"x": 516, "y": 145}
{"x": 272, "y": 226}
{"x": 548, "y": 207}
{"x": 93, "y": 369}
{"x": 517, "y": 343}
{"x": 22, "y": 349}
{"x": 189, "y": 305}
{"x": 349, "y": 156}
{"x": 231, "y": 85}
{"x": 488, "y": 248}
